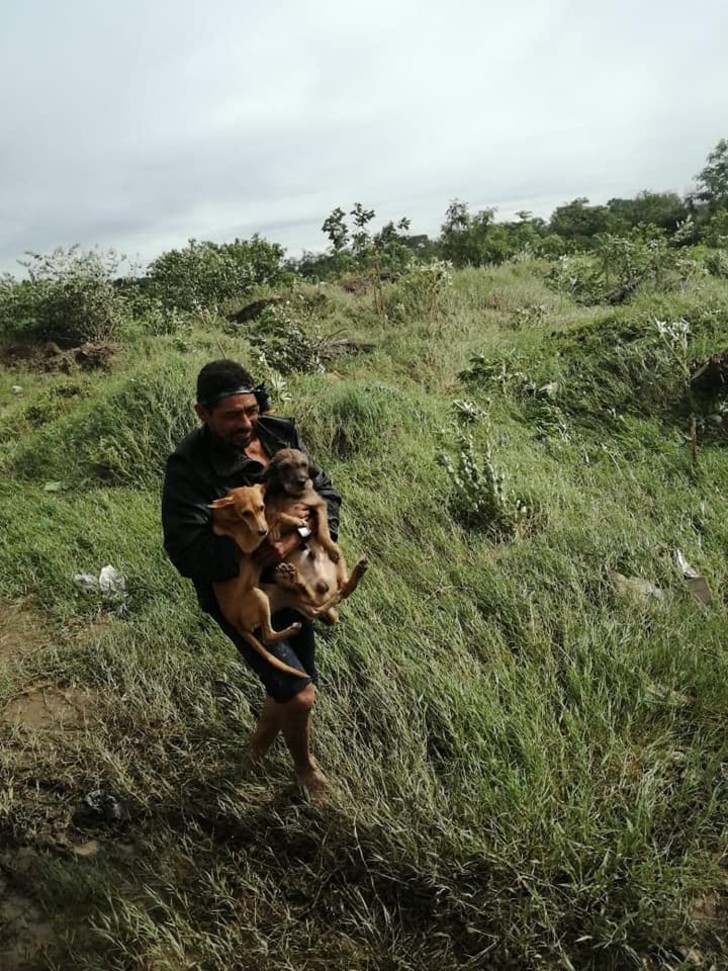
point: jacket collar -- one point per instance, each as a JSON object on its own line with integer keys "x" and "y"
{"x": 226, "y": 462}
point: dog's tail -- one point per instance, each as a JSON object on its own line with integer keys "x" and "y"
{"x": 271, "y": 658}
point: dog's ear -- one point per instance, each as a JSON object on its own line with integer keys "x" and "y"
{"x": 221, "y": 503}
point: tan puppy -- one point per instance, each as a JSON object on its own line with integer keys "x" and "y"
{"x": 313, "y": 579}
{"x": 241, "y": 515}
{"x": 288, "y": 490}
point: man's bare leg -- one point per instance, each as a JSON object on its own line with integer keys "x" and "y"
{"x": 296, "y": 727}
{"x": 266, "y": 731}
{"x": 293, "y": 718}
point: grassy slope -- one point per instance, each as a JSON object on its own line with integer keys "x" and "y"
{"x": 529, "y": 770}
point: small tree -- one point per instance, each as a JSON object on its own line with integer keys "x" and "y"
{"x": 712, "y": 180}
{"x": 579, "y": 223}
{"x": 463, "y": 237}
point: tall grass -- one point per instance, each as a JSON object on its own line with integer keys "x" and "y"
{"x": 528, "y": 769}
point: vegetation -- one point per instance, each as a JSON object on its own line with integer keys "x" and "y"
{"x": 207, "y": 274}
{"x": 68, "y": 297}
{"x": 523, "y": 708}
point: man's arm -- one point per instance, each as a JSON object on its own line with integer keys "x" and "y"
{"x": 191, "y": 545}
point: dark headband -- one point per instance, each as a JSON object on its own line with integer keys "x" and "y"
{"x": 261, "y": 396}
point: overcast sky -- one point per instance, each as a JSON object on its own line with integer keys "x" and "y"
{"x": 142, "y": 123}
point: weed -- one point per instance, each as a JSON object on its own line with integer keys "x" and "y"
{"x": 618, "y": 266}
{"x": 422, "y": 287}
{"x": 478, "y": 500}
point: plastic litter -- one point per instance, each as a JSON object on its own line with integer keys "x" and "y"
{"x": 697, "y": 585}
{"x": 676, "y": 699}
{"x": 87, "y": 582}
{"x": 99, "y": 808}
{"x": 17, "y": 389}
{"x": 110, "y": 582}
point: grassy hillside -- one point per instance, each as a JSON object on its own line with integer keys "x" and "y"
{"x": 528, "y": 753}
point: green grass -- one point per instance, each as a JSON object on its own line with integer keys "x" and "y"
{"x": 529, "y": 771}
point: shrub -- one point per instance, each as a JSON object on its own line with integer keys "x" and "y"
{"x": 532, "y": 315}
{"x": 69, "y": 297}
{"x": 478, "y": 500}
{"x": 18, "y": 302}
{"x": 288, "y": 340}
{"x": 204, "y": 274}
{"x": 716, "y": 263}
{"x": 283, "y": 342}
{"x": 422, "y": 287}
{"x": 617, "y": 267}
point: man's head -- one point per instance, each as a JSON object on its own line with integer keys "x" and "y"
{"x": 228, "y": 402}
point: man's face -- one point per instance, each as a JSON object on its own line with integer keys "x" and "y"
{"x": 232, "y": 420}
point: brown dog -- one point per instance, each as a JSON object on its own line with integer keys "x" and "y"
{"x": 313, "y": 579}
{"x": 241, "y": 514}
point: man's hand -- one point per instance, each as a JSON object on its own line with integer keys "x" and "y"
{"x": 271, "y": 554}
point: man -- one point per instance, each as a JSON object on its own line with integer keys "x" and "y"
{"x": 232, "y": 448}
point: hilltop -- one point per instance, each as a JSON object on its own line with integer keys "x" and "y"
{"x": 523, "y": 708}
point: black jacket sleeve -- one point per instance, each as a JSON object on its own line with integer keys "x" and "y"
{"x": 325, "y": 488}
{"x": 190, "y": 543}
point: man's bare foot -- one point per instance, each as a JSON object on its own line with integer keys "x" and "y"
{"x": 253, "y": 759}
{"x": 314, "y": 784}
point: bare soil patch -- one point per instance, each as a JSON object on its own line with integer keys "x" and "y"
{"x": 48, "y": 356}
{"x": 21, "y": 631}
{"x": 46, "y": 706}
{"x": 25, "y": 934}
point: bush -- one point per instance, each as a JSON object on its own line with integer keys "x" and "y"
{"x": 716, "y": 263}
{"x": 204, "y": 274}
{"x": 421, "y": 288}
{"x": 69, "y": 297}
{"x": 617, "y": 267}
{"x": 281, "y": 340}
{"x": 478, "y": 499}
{"x": 18, "y": 306}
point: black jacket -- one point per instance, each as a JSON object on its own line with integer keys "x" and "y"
{"x": 199, "y": 471}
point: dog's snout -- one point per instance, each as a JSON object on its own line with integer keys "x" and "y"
{"x": 301, "y": 480}
{"x": 263, "y": 531}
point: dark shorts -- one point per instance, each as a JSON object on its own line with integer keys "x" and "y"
{"x": 298, "y": 652}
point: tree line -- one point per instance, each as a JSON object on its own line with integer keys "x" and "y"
{"x": 478, "y": 239}
{"x": 71, "y": 296}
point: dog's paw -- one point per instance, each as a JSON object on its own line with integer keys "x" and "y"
{"x": 334, "y": 553}
{"x": 286, "y": 571}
